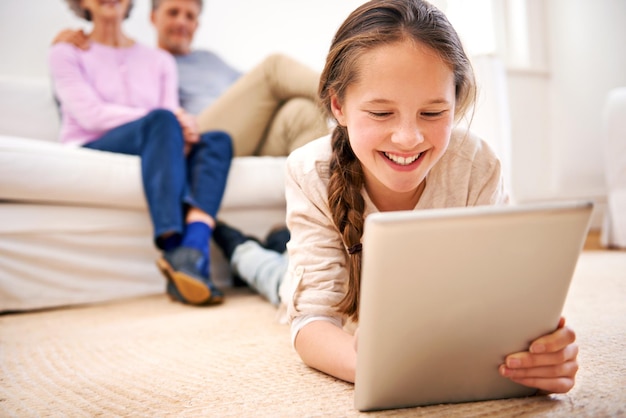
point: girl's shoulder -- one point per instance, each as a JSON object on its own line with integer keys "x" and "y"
{"x": 467, "y": 156}
{"x": 468, "y": 173}
{"x": 311, "y": 158}
{"x": 466, "y": 144}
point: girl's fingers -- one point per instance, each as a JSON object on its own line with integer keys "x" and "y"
{"x": 549, "y": 372}
{"x": 566, "y": 369}
{"x": 555, "y": 385}
{"x": 554, "y": 341}
{"x": 529, "y": 360}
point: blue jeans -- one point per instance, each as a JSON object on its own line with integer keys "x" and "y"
{"x": 172, "y": 181}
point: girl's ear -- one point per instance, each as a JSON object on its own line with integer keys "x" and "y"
{"x": 337, "y": 109}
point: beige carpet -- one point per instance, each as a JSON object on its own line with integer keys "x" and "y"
{"x": 154, "y": 358}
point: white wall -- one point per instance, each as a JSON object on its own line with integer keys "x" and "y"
{"x": 587, "y": 58}
{"x": 241, "y": 31}
{"x": 557, "y": 110}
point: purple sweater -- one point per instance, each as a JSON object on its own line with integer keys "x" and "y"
{"x": 105, "y": 87}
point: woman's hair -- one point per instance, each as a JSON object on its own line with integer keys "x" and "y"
{"x": 373, "y": 24}
{"x": 157, "y": 3}
{"x": 86, "y": 14}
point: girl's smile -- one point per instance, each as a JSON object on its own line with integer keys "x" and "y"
{"x": 403, "y": 162}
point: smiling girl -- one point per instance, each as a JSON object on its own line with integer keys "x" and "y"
{"x": 397, "y": 82}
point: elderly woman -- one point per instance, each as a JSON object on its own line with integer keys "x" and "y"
{"x": 121, "y": 96}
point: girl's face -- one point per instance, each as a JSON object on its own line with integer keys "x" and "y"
{"x": 399, "y": 116}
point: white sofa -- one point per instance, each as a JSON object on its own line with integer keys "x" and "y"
{"x": 74, "y": 226}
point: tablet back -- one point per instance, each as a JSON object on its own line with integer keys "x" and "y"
{"x": 446, "y": 294}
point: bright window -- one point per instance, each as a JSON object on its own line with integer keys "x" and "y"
{"x": 474, "y": 22}
{"x": 514, "y": 30}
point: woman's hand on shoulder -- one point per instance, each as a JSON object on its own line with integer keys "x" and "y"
{"x": 75, "y": 37}
{"x": 549, "y": 365}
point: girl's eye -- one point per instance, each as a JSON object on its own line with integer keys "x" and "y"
{"x": 433, "y": 114}
{"x": 379, "y": 114}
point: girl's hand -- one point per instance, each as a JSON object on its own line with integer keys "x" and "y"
{"x": 550, "y": 365}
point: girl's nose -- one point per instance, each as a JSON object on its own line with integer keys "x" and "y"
{"x": 408, "y": 134}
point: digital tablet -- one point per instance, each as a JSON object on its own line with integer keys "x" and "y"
{"x": 447, "y": 294}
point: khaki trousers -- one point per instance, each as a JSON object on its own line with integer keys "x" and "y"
{"x": 271, "y": 110}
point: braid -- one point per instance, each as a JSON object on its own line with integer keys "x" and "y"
{"x": 347, "y": 206}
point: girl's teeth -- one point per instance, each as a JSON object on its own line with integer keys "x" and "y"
{"x": 402, "y": 160}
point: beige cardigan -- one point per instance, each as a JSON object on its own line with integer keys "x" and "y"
{"x": 468, "y": 174}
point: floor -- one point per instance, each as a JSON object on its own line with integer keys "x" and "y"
{"x": 593, "y": 241}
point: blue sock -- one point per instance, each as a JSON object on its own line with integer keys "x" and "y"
{"x": 197, "y": 235}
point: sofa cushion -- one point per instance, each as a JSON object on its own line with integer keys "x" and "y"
{"x": 41, "y": 171}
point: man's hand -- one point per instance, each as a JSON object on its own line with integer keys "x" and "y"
{"x": 78, "y": 38}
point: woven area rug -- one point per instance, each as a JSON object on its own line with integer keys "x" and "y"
{"x": 155, "y": 358}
